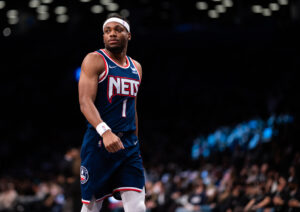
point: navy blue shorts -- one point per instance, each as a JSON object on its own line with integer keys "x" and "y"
{"x": 103, "y": 173}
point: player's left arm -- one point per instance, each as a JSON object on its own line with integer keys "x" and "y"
{"x": 139, "y": 68}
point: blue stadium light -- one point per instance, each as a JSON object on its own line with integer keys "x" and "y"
{"x": 254, "y": 141}
{"x": 77, "y": 73}
{"x": 253, "y": 124}
{"x": 195, "y": 151}
{"x": 204, "y": 174}
{"x": 206, "y": 153}
{"x": 211, "y": 140}
{"x": 267, "y": 134}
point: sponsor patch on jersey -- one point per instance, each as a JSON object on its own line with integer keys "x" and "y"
{"x": 84, "y": 175}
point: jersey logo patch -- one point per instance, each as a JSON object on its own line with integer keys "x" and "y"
{"x": 84, "y": 175}
{"x": 122, "y": 86}
{"x": 112, "y": 66}
{"x": 134, "y": 71}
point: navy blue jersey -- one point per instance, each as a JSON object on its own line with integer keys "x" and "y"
{"x": 117, "y": 89}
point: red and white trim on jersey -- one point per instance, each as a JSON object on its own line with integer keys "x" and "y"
{"x": 136, "y": 69}
{"x": 127, "y": 61}
{"x": 105, "y": 73}
{"x": 85, "y": 201}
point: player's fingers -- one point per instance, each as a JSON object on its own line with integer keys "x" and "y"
{"x": 111, "y": 148}
{"x": 115, "y": 147}
{"x": 118, "y": 144}
{"x": 121, "y": 145}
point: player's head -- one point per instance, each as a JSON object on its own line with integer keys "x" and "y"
{"x": 116, "y": 33}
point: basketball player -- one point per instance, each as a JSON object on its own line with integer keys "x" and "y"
{"x": 108, "y": 86}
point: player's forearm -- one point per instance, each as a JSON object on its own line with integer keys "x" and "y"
{"x": 90, "y": 112}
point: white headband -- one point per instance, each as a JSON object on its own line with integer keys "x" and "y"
{"x": 118, "y": 20}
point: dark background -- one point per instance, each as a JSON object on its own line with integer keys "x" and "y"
{"x": 199, "y": 73}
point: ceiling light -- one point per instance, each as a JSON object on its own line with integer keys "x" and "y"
{"x": 112, "y": 7}
{"x": 97, "y": 9}
{"x": 60, "y": 10}
{"x": 12, "y": 13}
{"x": 257, "y": 9}
{"x": 201, "y": 5}
{"x": 125, "y": 13}
{"x": 227, "y": 3}
{"x": 2, "y": 4}
{"x": 62, "y": 18}
{"x": 274, "y": 7}
{"x": 213, "y": 14}
{"x": 47, "y": 1}
{"x": 105, "y": 2}
{"x": 6, "y": 32}
{"x": 266, "y": 12}
{"x": 220, "y": 8}
{"x": 43, "y": 16}
{"x": 283, "y": 2}
{"x": 42, "y": 9}
{"x": 13, "y": 21}
{"x": 34, "y": 3}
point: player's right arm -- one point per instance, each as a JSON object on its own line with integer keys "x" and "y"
{"x": 91, "y": 68}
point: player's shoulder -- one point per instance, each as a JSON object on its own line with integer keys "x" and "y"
{"x": 137, "y": 64}
{"x": 93, "y": 56}
{"x": 93, "y": 61}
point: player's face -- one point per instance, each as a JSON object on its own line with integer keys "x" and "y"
{"x": 115, "y": 37}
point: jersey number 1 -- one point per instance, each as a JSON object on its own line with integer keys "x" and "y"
{"x": 124, "y": 108}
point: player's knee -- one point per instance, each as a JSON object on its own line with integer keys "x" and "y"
{"x": 133, "y": 201}
{"x": 134, "y": 206}
{"x": 140, "y": 207}
{"x": 92, "y": 207}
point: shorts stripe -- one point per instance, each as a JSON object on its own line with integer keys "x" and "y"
{"x": 127, "y": 189}
{"x": 102, "y": 198}
{"x": 85, "y": 201}
{"x": 119, "y": 189}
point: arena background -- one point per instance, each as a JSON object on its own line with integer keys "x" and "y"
{"x": 206, "y": 64}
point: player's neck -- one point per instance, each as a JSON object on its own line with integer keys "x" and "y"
{"x": 119, "y": 57}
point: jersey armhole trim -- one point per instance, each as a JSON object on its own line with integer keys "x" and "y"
{"x": 136, "y": 69}
{"x": 103, "y": 76}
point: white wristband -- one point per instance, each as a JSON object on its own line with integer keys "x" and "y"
{"x": 102, "y": 128}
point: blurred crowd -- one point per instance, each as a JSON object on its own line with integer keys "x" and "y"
{"x": 54, "y": 193}
{"x": 241, "y": 182}
{"x": 261, "y": 179}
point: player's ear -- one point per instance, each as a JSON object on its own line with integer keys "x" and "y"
{"x": 129, "y": 36}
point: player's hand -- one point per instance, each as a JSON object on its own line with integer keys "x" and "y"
{"x": 112, "y": 142}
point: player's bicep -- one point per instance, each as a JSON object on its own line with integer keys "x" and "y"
{"x": 87, "y": 86}
{"x": 88, "y": 82}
